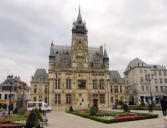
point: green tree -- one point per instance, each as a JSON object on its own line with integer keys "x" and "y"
{"x": 93, "y": 110}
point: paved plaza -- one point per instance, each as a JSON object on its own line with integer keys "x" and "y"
{"x": 60, "y": 119}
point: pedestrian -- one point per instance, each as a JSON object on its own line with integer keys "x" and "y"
{"x": 163, "y": 105}
{"x": 150, "y": 106}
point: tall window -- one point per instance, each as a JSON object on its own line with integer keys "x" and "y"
{"x": 160, "y": 80}
{"x": 155, "y": 81}
{"x": 35, "y": 98}
{"x": 141, "y": 79}
{"x": 161, "y": 87}
{"x": 111, "y": 89}
{"x": 0, "y": 96}
{"x": 165, "y": 80}
{"x": 160, "y": 73}
{"x": 101, "y": 84}
{"x": 155, "y": 73}
{"x": 57, "y": 84}
{"x": 147, "y": 88}
{"x": 156, "y": 88}
{"x": 94, "y": 84}
{"x": 46, "y": 89}
{"x": 142, "y": 88}
{"x": 57, "y": 98}
{"x": 68, "y": 98}
{"x": 102, "y": 98}
{"x": 116, "y": 89}
{"x": 164, "y": 73}
{"x": 120, "y": 89}
{"x": 35, "y": 88}
{"x": 46, "y": 99}
{"x": 81, "y": 84}
{"x": 68, "y": 83}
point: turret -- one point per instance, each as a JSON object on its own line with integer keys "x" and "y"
{"x": 105, "y": 58}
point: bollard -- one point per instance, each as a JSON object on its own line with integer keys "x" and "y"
{"x": 165, "y": 122}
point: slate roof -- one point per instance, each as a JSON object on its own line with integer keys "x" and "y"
{"x": 136, "y": 63}
{"x": 40, "y": 73}
{"x": 58, "y": 50}
{"x": 115, "y": 74}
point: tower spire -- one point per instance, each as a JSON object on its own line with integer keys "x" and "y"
{"x": 79, "y": 18}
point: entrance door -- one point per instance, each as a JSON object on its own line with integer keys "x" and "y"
{"x": 95, "y": 102}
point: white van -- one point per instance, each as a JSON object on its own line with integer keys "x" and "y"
{"x": 39, "y": 105}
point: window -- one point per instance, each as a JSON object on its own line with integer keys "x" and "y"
{"x": 35, "y": 98}
{"x": 46, "y": 89}
{"x": 81, "y": 84}
{"x": 68, "y": 83}
{"x": 164, "y": 73}
{"x": 160, "y": 73}
{"x": 57, "y": 98}
{"x": 147, "y": 87}
{"x": 102, "y": 98}
{"x": 165, "y": 80}
{"x": 141, "y": 71}
{"x": 155, "y": 81}
{"x": 156, "y": 88}
{"x": 0, "y": 96}
{"x": 111, "y": 89}
{"x": 161, "y": 87}
{"x": 160, "y": 80}
{"x": 35, "y": 89}
{"x": 46, "y": 99}
{"x": 68, "y": 98}
{"x": 142, "y": 88}
{"x": 57, "y": 84}
{"x": 145, "y": 71}
{"x": 94, "y": 84}
{"x": 6, "y": 96}
{"x": 141, "y": 79}
{"x": 116, "y": 89}
{"x": 120, "y": 89}
{"x": 155, "y": 73}
{"x": 101, "y": 84}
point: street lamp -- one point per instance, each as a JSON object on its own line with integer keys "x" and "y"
{"x": 149, "y": 77}
{"x": 11, "y": 80}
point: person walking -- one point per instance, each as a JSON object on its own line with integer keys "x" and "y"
{"x": 150, "y": 107}
{"x": 163, "y": 106}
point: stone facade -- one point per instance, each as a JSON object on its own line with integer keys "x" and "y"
{"x": 144, "y": 81}
{"x": 78, "y": 74}
{"x": 117, "y": 87}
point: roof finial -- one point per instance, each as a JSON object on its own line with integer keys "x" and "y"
{"x": 79, "y": 18}
{"x": 52, "y": 43}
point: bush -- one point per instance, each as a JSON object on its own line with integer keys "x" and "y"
{"x": 15, "y": 111}
{"x": 21, "y": 111}
{"x": 120, "y": 102}
{"x": 93, "y": 111}
{"x": 32, "y": 120}
{"x": 124, "y": 106}
{"x": 38, "y": 114}
{"x": 4, "y": 106}
{"x": 71, "y": 109}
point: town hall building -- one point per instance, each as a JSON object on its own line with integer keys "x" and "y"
{"x": 78, "y": 75}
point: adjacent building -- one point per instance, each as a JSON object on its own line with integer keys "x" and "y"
{"x": 117, "y": 87}
{"x": 145, "y": 82}
{"x": 17, "y": 90}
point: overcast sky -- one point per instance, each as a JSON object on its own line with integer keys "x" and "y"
{"x": 128, "y": 28}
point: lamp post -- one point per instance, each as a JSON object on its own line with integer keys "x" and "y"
{"x": 149, "y": 78}
{"x": 11, "y": 80}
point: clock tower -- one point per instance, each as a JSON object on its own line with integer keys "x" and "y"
{"x": 79, "y": 47}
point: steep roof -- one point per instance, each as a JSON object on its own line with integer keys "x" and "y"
{"x": 114, "y": 74}
{"x": 105, "y": 54}
{"x": 136, "y": 63}
{"x": 58, "y": 51}
{"x": 40, "y": 73}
